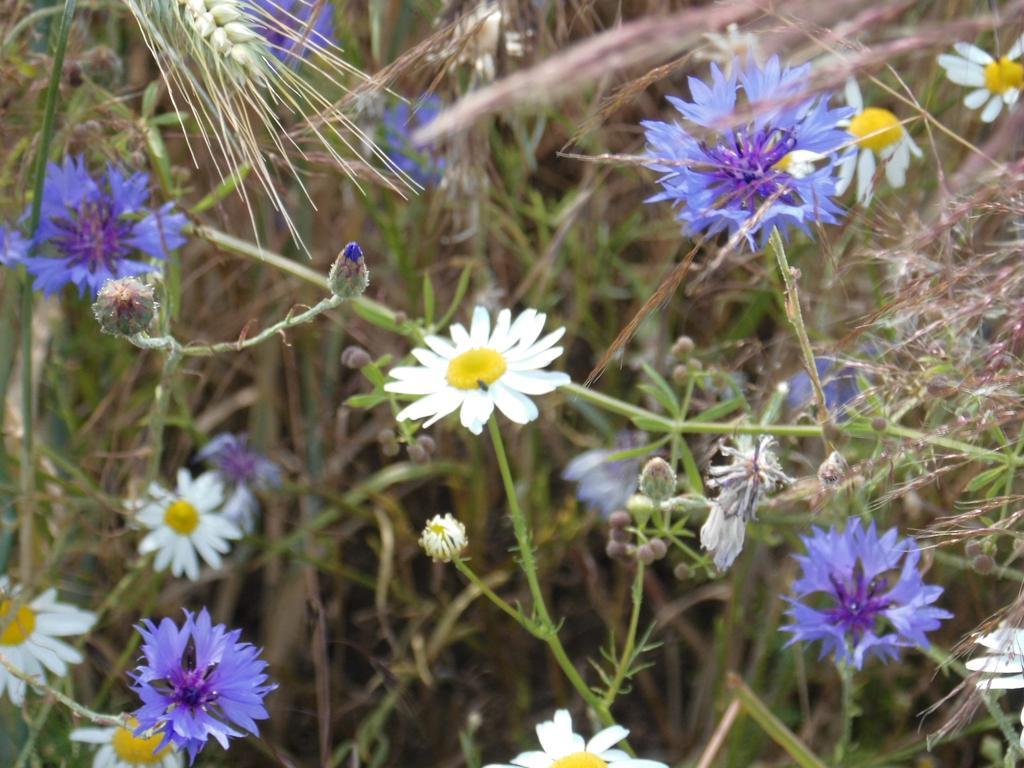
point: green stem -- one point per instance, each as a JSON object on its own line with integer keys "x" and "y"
{"x": 40, "y": 685}
{"x": 849, "y": 712}
{"x": 27, "y": 478}
{"x": 547, "y": 629}
{"x": 490, "y": 594}
{"x": 158, "y": 416}
{"x": 626, "y": 660}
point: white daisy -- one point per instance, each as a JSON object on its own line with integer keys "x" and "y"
{"x": 995, "y": 81}
{"x": 121, "y": 748}
{"x": 185, "y": 522}
{"x": 443, "y": 538}
{"x": 878, "y": 131}
{"x": 28, "y": 639}
{"x": 481, "y": 369}
{"x": 1004, "y": 662}
{"x": 562, "y": 748}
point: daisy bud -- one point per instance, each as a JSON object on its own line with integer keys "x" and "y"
{"x": 657, "y": 480}
{"x": 349, "y": 276}
{"x": 124, "y": 307}
{"x": 640, "y": 507}
{"x": 355, "y": 357}
{"x": 659, "y": 547}
{"x": 443, "y": 538}
{"x": 645, "y": 554}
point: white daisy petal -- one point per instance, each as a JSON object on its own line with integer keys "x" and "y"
{"x": 853, "y": 95}
{"x": 992, "y": 109}
{"x": 422, "y": 385}
{"x": 865, "y": 175}
{"x": 847, "y": 168}
{"x": 997, "y": 665}
{"x": 515, "y": 405}
{"x": 499, "y": 336}
{"x": 460, "y": 336}
{"x": 896, "y": 168}
{"x": 1010, "y": 96}
{"x": 480, "y": 328}
{"x": 530, "y": 760}
{"x": 973, "y": 53}
{"x": 441, "y": 402}
{"x": 1013, "y": 53}
{"x": 609, "y": 737}
{"x": 961, "y": 71}
{"x": 976, "y": 98}
{"x": 443, "y": 348}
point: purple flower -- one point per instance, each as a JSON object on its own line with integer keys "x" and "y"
{"x": 243, "y": 470}
{"x": 602, "y": 484}
{"x": 719, "y": 177}
{"x": 286, "y": 26}
{"x": 94, "y": 230}
{"x": 13, "y": 247}
{"x": 871, "y": 598}
{"x": 423, "y": 164}
{"x": 838, "y": 384}
{"x": 197, "y": 682}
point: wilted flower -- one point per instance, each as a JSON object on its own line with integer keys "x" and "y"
{"x": 197, "y": 682}
{"x": 124, "y": 307}
{"x": 996, "y": 81}
{"x": 95, "y": 230}
{"x": 121, "y": 748}
{"x": 423, "y": 163}
{"x": 563, "y": 748}
{"x": 243, "y": 470}
{"x": 604, "y": 484}
{"x": 753, "y": 472}
{"x": 860, "y": 614}
{"x": 443, "y": 538}
{"x": 480, "y": 369}
{"x": 294, "y": 28}
{"x": 184, "y": 523}
{"x": 1003, "y": 662}
{"x": 29, "y": 632}
{"x": 13, "y": 247}
{"x": 349, "y": 276}
{"x": 478, "y": 36}
{"x": 838, "y": 385}
{"x": 875, "y": 130}
{"x": 719, "y": 177}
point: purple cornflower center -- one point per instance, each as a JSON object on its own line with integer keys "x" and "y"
{"x": 190, "y": 687}
{"x": 858, "y": 601}
{"x": 747, "y": 166}
{"x": 93, "y": 236}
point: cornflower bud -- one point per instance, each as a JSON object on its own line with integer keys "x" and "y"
{"x": 349, "y": 276}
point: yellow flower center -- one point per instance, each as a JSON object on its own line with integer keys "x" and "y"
{"x": 438, "y": 529}
{"x": 181, "y": 517}
{"x": 135, "y": 750}
{"x": 476, "y": 368}
{"x": 1002, "y": 75}
{"x": 16, "y": 630}
{"x": 580, "y": 760}
{"x": 876, "y": 128}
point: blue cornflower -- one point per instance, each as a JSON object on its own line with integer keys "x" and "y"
{"x": 423, "y": 164}
{"x": 13, "y": 247}
{"x": 243, "y": 470}
{"x": 91, "y": 229}
{"x": 719, "y": 177}
{"x": 197, "y": 682}
{"x": 873, "y": 600}
{"x": 838, "y": 384}
{"x": 285, "y": 24}
{"x": 602, "y": 484}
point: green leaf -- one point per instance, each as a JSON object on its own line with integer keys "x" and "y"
{"x": 662, "y": 391}
{"x": 222, "y": 190}
{"x": 428, "y": 299}
{"x": 367, "y": 400}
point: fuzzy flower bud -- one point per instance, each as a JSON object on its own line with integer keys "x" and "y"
{"x": 657, "y": 480}
{"x": 124, "y": 307}
{"x": 349, "y": 276}
{"x": 443, "y": 538}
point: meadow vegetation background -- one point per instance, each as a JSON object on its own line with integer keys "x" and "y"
{"x": 532, "y": 194}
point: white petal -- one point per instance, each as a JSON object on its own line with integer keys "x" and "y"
{"x": 992, "y": 109}
{"x": 92, "y": 735}
{"x": 443, "y": 402}
{"x": 1001, "y": 683}
{"x": 961, "y": 71}
{"x": 865, "y": 175}
{"x": 1010, "y": 96}
{"x": 515, "y": 405}
{"x": 847, "y": 167}
{"x": 975, "y": 99}
{"x": 499, "y": 336}
{"x": 973, "y": 53}
{"x": 613, "y": 734}
{"x": 442, "y": 347}
{"x": 896, "y": 168}
{"x": 529, "y": 760}
{"x": 429, "y": 359}
{"x": 480, "y": 329}
{"x": 476, "y": 410}
{"x": 853, "y": 96}
{"x": 1015, "y": 50}
{"x": 425, "y": 385}
{"x": 997, "y": 665}
{"x": 533, "y": 382}
{"x": 460, "y": 336}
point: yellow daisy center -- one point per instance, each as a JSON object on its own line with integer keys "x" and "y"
{"x": 876, "y": 128}
{"x": 475, "y": 368}
{"x": 16, "y": 630}
{"x": 135, "y": 750}
{"x": 580, "y": 760}
{"x": 181, "y": 517}
{"x": 1002, "y": 75}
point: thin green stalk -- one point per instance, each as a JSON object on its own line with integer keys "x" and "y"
{"x": 27, "y": 477}
{"x": 626, "y": 660}
{"x": 158, "y": 416}
{"x": 490, "y": 594}
{"x": 775, "y": 728}
{"x": 40, "y": 685}
{"x": 549, "y": 632}
{"x": 849, "y": 712}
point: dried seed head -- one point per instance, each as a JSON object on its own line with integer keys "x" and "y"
{"x": 124, "y": 307}
{"x": 619, "y": 519}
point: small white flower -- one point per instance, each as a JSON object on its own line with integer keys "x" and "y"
{"x": 562, "y": 748}
{"x": 995, "y": 81}
{"x": 28, "y": 639}
{"x": 443, "y": 538}
{"x": 482, "y": 369}
{"x": 184, "y": 523}
{"x": 876, "y": 130}
{"x": 120, "y": 748}
{"x": 1004, "y": 662}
